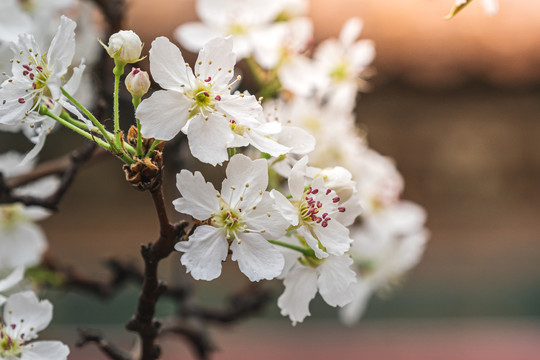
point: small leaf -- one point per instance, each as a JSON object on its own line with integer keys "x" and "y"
{"x": 460, "y": 5}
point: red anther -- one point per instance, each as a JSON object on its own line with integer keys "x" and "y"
{"x": 21, "y": 101}
{"x": 308, "y": 191}
{"x": 39, "y": 68}
{"x": 218, "y": 98}
{"x": 341, "y": 209}
{"x": 136, "y": 71}
{"x": 13, "y": 326}
{"x": 324, "y": 224}
{"x": 27, "y": 67}
{"x": 25, "y": 73}
{"x": 324, "y": 215}
{"x": 336, "y": 199}
{"x": 232, "y": 121}
{"x": 22, "y": 336}
{"x": 328, "y": 191}
{"x": 319, "y": 220}
{"x": 206, "y": 94}
{"x": 319, "y": 204}
{"x": 31, "y": 76}
{"x": 314, "y": 191}
{"x": 208, "y": 80}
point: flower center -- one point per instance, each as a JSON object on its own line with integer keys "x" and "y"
{"x": 10, "y": 347}
{"x": 10, "y": 216}
{"x": 237, "y": 128}
{"x": 229, "y": 219}
{"x": 312, "y": 208}
{"x": 202, "y": 99}
{"x": 237, "y": 29}
{"x": 340, "y": 72}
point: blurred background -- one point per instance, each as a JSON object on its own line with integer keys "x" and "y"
{"x": 457, "y": 105}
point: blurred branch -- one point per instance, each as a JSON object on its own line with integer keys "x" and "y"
{"x": 68, "y": 166}
{"x": 72, "y": 277}
{"x": 243, "y": 303}
{"x": 195, "y": 333}
{"x": 90, "y": 336}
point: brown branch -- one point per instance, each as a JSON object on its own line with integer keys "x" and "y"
{"x": 143, "y": 321}
{"x": 90, "y": 336}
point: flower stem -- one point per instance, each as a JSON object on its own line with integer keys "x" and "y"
{"x": 307, "y": 252}
{"x": 43, "y": 110}
{"x": 152, "y": 147}
{"x": 136, "y": 101}
{"x": 91, "y": 117}
{"x": 118, "y": 71}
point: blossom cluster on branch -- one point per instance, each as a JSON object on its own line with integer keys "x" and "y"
{"x": 304, "y": 200}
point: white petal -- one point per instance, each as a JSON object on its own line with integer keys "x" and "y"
{"x": 62, "y": 47}
{"x": 27, "y": 313}
{"x": 334, "y": 237}
{"x": 284, "y": 206}
{"x": 299, "y": 140}
{"x": 208, "y": 139}
{"x": 297, "y": 178}
{"x": 256, "y": 257}
{"x": 22, "y": 246}
{"x": 215, "y": 60}
{"x": 74, "y": 81}
{"x": 244, "y": 110}
{"x": 40, "y": 188}
{"x": 45, "y": 350}
{"x": 12, "y": 112}
{"x": 163, "y": 114}
{"x": 352, "y": 312}
{"x": 266, "y": 144}
{"x": 300, "y": 289}
{"x": 336, "y": 280}
{"x": 245, "y": 183}
{"x": 198, "y": 196}
{"x": 312, "y": 241}
{"x": 168, "y": 66}
{"x": 193, "y": 35}
{"x": 12, "y": 279}
{"x": 204, "y": 252}
{"x": 350, "y": 31}
{"x": 266, "y": 217}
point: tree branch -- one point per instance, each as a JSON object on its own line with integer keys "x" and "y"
{"x": 67, "y": 166}
{"x": 90, "y": 336}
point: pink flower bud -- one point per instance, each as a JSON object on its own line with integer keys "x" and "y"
{"x": 137, "y": 82}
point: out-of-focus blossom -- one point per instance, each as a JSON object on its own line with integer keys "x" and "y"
{"x": 385, "y": 246}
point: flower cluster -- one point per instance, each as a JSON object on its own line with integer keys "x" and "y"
{"x": 308, "y": 202}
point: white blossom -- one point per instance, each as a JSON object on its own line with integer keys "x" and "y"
{"x": 314, "y": 210}
{"x": 385, "y": 246}
{"x": 24, "y": 316}
{"x": 241, "y": 18}
{"x": 332, "y": 277}
{"x": 36, "y": 80}
{"x": 200, "y": 104}
{"x": 242, "y": 216}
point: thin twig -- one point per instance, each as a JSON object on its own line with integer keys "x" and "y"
{"x": 113, "y": 352}
{"x": 76, "y": 159}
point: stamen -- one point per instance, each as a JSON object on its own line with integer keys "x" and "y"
{"x": 21, "y": 101}
{"x": 208, "y": 79}
{"x": 336, "y": 199}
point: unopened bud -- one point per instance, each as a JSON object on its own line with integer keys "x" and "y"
{"x": 125, "y": 46}
{"x": 137, "y": 82}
